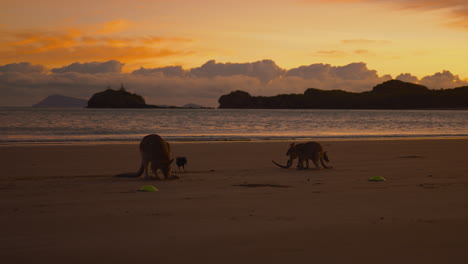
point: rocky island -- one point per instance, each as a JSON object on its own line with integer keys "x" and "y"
{"x": 123, "y": 99}
{"x": 117, "y": 99}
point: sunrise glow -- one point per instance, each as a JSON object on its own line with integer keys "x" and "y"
{"x": 418, "y": 38}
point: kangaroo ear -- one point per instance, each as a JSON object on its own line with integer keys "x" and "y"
{"x": 170, "y": 162}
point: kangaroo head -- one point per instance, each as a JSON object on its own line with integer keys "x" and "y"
{"x": 166, "y": 168}
{"x": 291, "y": 151}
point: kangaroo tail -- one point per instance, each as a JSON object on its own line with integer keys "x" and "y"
{"x": 133, "y": 174}
{"x": 324, "y": 157}
{"x": 284, "y": 167}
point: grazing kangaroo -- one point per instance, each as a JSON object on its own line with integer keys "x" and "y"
{"x": 305, "y": 151}
{"x": 156, "y": 150}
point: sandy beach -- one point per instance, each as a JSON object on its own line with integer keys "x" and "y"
{"x": 60, "y": 204}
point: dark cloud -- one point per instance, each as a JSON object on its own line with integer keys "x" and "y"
{"x": 24, "y": 67}
{"x": 203, "y": 85}
{"x": 350, "y": 72}
{"x": 169, "y": 71}
{"x": 111, "y": 66}
{"x": 265, "y": 70}
{"x": 314, "y": 71}
{"x": 354, "y": 71}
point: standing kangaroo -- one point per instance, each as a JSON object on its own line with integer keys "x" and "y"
{"x": 156, "y": 150}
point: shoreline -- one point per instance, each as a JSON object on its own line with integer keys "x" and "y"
{"x": 318, "y": 139}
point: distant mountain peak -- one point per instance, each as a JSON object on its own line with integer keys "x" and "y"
{"x": 61, "y": 101}
{"x": 397, "y": 86}
{"x": 193, "y": 106}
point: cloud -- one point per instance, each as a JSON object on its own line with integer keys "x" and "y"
{"x": 362, "y": 52}
{"x": 439, "y": 80}
{"x": 61, "y": 46}
{"x": 114, "y": 26}
{"x": 407, "y": 77}
{"x": 103, "y": 53}
{"x": 158, "y": 40}
{"x": 112, "y": 66}
{"x": 456, "y": 10}
{"x": 116, "y": 41}
{"x": 27, "y": 42}
{"x": 364, "y": 41}
{"x": 169, "y": 71}
{"x": 331, "y": 53}
{"x": 444, "y": 79}
{"x": 23, "y": 84}
{"x": 350, "y": 72}
{"x": 265, "y": 70}
{"x": 432, "y": 4}
{"x": 342, "y": 53}
{"x": 24, "y": 67}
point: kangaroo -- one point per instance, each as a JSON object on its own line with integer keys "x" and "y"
{"x": 305, "y": 151}
{"x": 156, "y": 150}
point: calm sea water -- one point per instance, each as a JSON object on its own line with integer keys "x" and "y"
{"x": 31, "y": 125}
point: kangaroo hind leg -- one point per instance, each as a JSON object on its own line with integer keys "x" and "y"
{"x": 315, "y": 159}
{"x": 145, "y": 164}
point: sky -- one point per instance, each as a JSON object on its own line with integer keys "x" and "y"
{"x": 177, "y": 52}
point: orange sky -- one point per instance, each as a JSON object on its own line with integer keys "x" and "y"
{"x": 412, "y": 36}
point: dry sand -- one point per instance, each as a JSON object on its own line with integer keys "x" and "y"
{"x": 60, "y": 204}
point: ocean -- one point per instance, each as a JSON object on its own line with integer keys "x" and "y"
{"x": 66, "y": 126}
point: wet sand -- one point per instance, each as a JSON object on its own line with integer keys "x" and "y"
{"x": 60, "y": 204}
